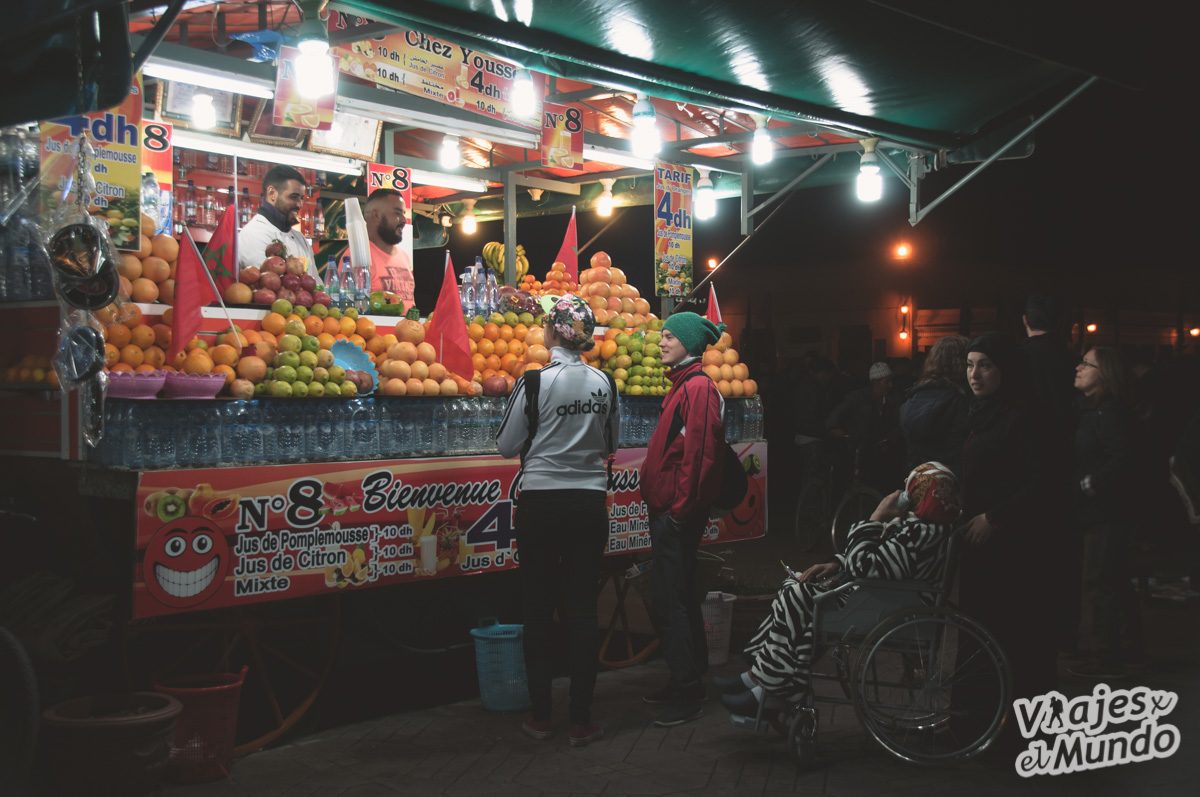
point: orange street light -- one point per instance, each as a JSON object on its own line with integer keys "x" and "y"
{"x": 712, "y": 263}
{"x": 1194, "y": 332}
{"x": 904, "y": 334}
{"x": 1091, "y": 328}
{"x": 902, "y": 251}
{"x": 904, "y": 309}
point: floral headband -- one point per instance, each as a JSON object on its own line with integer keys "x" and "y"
{"x": 573, "y": 322}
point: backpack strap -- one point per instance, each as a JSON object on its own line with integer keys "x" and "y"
{"x": 612, "y": 410}
{"x": 677, "y": 418}
{"x": 532, "y": 382}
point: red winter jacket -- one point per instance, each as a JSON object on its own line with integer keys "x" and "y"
{"x": 683, "y": 479}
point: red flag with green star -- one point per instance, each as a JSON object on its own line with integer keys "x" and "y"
{"x": 220, "y": 255}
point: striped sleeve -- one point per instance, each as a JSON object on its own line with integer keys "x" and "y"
{"x": 904, "y": 549}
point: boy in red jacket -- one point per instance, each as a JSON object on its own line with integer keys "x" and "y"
{"x": 679, "y": 479}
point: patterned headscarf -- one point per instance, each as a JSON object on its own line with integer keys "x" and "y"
{"x": 573, "y": 322}
{"x": 932, "y": 492}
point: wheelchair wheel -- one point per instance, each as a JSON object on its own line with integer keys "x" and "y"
{"x": 931, "y": 686}
{"x": 812, "y": 515}
{"x": 858, "y": 504}
{"x": 802, "y": 735}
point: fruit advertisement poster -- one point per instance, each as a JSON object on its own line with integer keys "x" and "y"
{"x": 411, "y": 61}
{"x": 562, "y": 136}
{"x": 672, "y": 229}
{"x": 221, "y": 537}
{"x": 116, "y": 137}
{"x": 290, "y": 109}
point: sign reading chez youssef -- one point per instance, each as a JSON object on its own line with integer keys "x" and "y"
{"x": 417, "y": 63}
{"x": 222, "y": 537}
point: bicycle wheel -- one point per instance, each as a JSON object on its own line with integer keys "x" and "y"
{"x": 858, "y": 504}
{"x": 812, "y": 515}
{"x": 931, "y": 686}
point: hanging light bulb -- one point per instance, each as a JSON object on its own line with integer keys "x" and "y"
{"x": 468, "y": 222}
{"x": 445, "y": 219}
{"x": 762, "y": 147}
{"x": 604, "y": 205}
{"x": 448, "y": 155}
{"x": 524, "y": 98}
{"x": 204, "y": 115}
{"x": 314, "y": 69}
{"x": 869, "y": 185}
{"x": 706, "y": 197}
{"x": 645, "y": 139}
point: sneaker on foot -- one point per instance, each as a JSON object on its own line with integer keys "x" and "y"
{"x": 584, "y": 734}
{"x": 537, "y": 729}
{"x": 678, "y": 714}
{"x": 661, "y": 697}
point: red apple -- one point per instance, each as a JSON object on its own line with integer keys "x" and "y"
{"x": 264, "y": 296}
{"x": 249, "y": 275}
{"x": 276, "y": 265}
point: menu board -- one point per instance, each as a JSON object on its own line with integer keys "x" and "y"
{"x": 672, "y": 229}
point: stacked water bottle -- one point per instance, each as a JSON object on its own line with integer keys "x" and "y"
{"x": 478, "y": 290}
{"x": 347, "y": 285}
{"x": 24, "y": 274}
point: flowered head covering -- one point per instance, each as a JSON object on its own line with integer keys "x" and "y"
{"x": 573, "y": 322}
{"x": 932, "y": 492}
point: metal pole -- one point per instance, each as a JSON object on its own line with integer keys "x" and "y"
{"x": 796, "y": 181}
{"x": 510, "y": 228}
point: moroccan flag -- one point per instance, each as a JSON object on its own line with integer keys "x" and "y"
{"x": 713, "y": 313}
{"x": 569, "y": 254}
{"x": 447, "y": 332}
{"x": 220, "y": 255}
{"x": 192, "y": 292}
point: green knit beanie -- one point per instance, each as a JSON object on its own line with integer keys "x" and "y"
{"x": 695, "y": 332}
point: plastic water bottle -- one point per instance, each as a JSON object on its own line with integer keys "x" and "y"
{"x": 364, "y": 429}
{"x": 391, "y": 428}
{"x": 422, "y": 427}
{"x": 479, "y": 278}
{"x": 198, "y": 441}
{"x": 362, "y": 287}
{"x": 440, "y": 421}
{"x": 322, "y": 427}
{"x": 158, "y": 436}
{"x": 466, "y": 292}
{"x": 287, "y": 429}
{"x": 754, "y": 427}
{"x": 346, "y": 280}
{"x": 333, "y": 283}
{"x": 242, "y": 442}
{"x": 493, "y": 291}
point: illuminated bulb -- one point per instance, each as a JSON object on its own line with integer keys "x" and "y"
{"x": 645, "y": 139}
{"x": 903, "y": 334}
{"x": 706, "y": 198}
{"x": 1194, "y": 332}
{"x": 762, "y": 148}
{"x": 469, "y": 223}
{"x": 904, "y": 309}
{"x": 902, "y": 251}
{"x": 712, "y": 263}
{"x": 314, "y": 70}
{"x": 1091, "y": 328}
{"x": 869, "y": 185}
{"x": 604, "y": 205}
{"x": 204, "y": 115}
{"x": 524, "y": 101}
{"x": 448, "y": 155}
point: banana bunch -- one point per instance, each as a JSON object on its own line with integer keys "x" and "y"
{"x": 493, "y": 256}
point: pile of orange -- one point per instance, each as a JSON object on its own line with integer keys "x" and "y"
{"x": 723, "y": 365}
{"x": 133, "y": 342}
{"x": 32, "y": 369}
{"x": 148, "y": 275}
{"x": 610, "y": 295}
{"x": 506, "y": 350}
{"x": 557, "y": 282}
{"x": 409, "y": 367}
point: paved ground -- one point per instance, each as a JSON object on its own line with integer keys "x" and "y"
{"x": 463, "y": 749}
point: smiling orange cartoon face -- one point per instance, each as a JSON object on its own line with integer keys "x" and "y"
{"x": 186, "y": 562}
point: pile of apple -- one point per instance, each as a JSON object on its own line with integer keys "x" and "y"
{"x": 279, "y": 277}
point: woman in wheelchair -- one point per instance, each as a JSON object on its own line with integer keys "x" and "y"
{"x": 906, "y": 538}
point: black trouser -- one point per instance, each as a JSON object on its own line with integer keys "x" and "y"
{"x": 560, "y": 537}
{"x": 1111, "y": 611}
{"x": 677, "y": 599}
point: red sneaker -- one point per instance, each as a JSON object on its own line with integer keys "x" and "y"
{"x": 537, "y": 729}
{"x": 582, "y": 735}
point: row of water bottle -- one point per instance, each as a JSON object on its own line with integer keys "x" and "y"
{"x": 743, "y": 419}
{"x": 479, "y": 290}
{"x": 24, "y": 270}
{"x": 639, "y": 417}
{"x": 347, "y": 285}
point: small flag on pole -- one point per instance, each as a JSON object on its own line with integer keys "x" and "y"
{"x": 713, "y": 313}
{"x": 568, "y": 255}
{"x": 447, "y": 331}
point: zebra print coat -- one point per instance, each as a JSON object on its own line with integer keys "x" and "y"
{"x": 903, "y": 549}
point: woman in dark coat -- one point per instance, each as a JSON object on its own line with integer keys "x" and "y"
{"x": 1008, "y": 560}
{"x": 933, "y": 418}
{"x": 1102, "y": 468}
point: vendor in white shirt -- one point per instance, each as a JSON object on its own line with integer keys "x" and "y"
{"x": 283, "y": 192}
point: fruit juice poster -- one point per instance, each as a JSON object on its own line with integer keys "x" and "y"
{"x": 219, "y": 537}
{"x": 397, "y": 178}
{"x": 562, "y": 136}
{"x": 672, "y": 229}
{"x": 413, "y": 62}
{"x": 116, "y": 136}
{"x": 290, "y": 109}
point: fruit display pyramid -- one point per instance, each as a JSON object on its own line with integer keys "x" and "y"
{"x": 148, "y": 275}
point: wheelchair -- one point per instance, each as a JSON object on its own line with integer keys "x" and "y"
{"x": 928, "y": 683}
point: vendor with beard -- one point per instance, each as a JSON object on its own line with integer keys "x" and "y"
{"x": 283, "y": 192}
{"x": 391, "y": 266}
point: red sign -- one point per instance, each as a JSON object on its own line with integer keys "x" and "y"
{"x": 222, "y": 537}
{"x": 397, "y": 178}
{"x": 290, "y": 109}
{"x": 562, "y": 136}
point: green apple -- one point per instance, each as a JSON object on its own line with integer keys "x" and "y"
{"x": 304, "y": 374}
{"x": 649, "y": 362}
{"x": 511, "y": 318}
{"x": 281, "y": 389}
{"x": 337, "y": 374}
{"x": 281, "y": 306}
{"x": 299, "y": 390}
{"x": 621, "y": 374}
{"x": 620, "y": 385}
{"x": 622, "y": 340}
{"x": 310, "y": 343}
{"x": 653, "y": 337}
{"x": 526, "y": 319}
{"x": 479, "y": 320}
{"x": 316, "y": 389}
{"x": 324, "y": 358}
{"x": 350, "y": 312}
{"x": 289, "y": 343}
{"x": 320, "y": 310}
{"x": 309, "y": 358}
{"x": 261, "y": 388}
{"x": 285, "y": 373}
{"x": 335, "y": 312}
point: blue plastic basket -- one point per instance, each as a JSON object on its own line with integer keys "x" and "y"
{"x": 500, "y": 663}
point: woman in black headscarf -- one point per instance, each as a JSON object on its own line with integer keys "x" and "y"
{"x": 1008, "y": 559}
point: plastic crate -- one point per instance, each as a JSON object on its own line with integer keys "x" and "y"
{"x": 718, "y": 621}
{"x": 500, "y": 663}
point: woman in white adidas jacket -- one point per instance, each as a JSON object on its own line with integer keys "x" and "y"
{"x": 563, "y": 420}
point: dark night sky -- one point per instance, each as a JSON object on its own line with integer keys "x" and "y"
{"x": 1084, "y": 217}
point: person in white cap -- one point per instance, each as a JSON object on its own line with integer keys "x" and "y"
{"x": 866, "y": 419}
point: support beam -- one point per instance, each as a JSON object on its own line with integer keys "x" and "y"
{"x": 747, "y": 202}
{"x": 787, "y": 188}
{"x": 362, "y": 33}
{"x": 510, "y": 228}
{"x": 550, "y": 185}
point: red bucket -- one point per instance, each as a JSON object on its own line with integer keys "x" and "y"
{"x": 205, "y": 731}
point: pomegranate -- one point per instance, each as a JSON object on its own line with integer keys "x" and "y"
{"x": 264, "y": 296}
{"x": 291, "y": 282}
{"x": 270, "y": 280}
{"x": 495, "y": 386}
{"x": 249, "y": 275}
{"x": 308, "y": 282}
{"x": 303, "y": 298}
{"x": 321, "y": 297}
{"x": 276, "y": 265}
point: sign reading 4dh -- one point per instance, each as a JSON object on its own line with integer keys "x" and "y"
{"x": 672, "y": 229}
